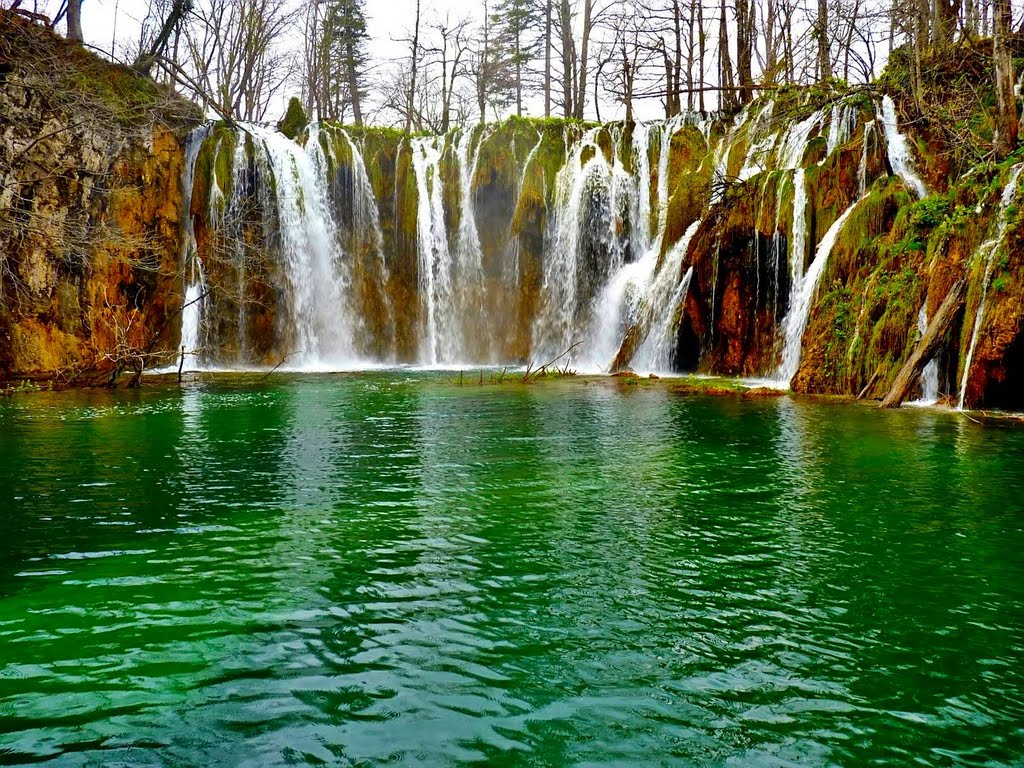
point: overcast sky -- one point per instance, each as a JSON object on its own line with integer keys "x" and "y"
{"x": 105, "y": 20}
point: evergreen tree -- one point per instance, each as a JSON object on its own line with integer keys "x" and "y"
{"x": 347, "y": 21}
{"x": 517, "y": 24}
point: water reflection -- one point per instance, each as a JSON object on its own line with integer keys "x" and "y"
{"x": 388, "y": 567}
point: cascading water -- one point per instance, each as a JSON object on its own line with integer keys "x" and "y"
{"x": 988, "y": 250}
{"x": 604, "y": 274}
{"x": 663, "y": 300}
{"x": 800, "y": 308}
{"x": 620, "y": 302}
{"x": 195, "y": 278}
{"x": 642, "y": 163}
{"x": 898, "y": 150}
{"x": 930, "y": 374}
{"x": 582, "y": 221}
{"x": 511, "y": 274}
{"x": 862, "y": 171}
{"x": 435, "y": 261}
{"x": 841, "y": 125}
{"x": 317, "y": 307}
{"x": 365, "y": 212}
{"x": 668, "y": 130}
{"x": 468, "y": 254}
{"x": 288, "y": 184}
{"x": 759, "y": 143}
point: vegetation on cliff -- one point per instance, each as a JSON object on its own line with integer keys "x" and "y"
{"x": 90, "y": 161}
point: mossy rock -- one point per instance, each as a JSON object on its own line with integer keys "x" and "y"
{"x": 295, "y": 119}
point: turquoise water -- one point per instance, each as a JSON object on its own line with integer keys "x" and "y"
{"x": 383, "y": 569}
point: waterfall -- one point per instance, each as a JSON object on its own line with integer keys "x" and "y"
{"x": 841, "y": 124}
{"x": 365, "y": 212}
{"x": 642, "y": 161}
{"x": 796, "y": 247}
{"x": 800, "y": 309}
{"x": 759, "y": 143}
{"x": 512, "y": 267}
{"x": 617, "y": 308}
{"x": 988, "y": 250}
{"x": 862, "y": 171}
{"x": 232, "y": 226}
{"x": 314, "y": 268}
{"x": 584, "y": 195}
{"x": 435, "y": 261}
{"x": 930, "y": 374}
{"x": 790, "y": 153}
{"x": 663, "y": 300}
{"x": 898, "y": 150}
{"x": 194, "y": 278}
{"x": 668, "y": 130}
{"x": 619, "y": 303}
{"x": 468, "y": 254}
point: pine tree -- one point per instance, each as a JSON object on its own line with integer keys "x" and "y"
{"x": 347, "y": 21}
{"x": 517, "y": 23}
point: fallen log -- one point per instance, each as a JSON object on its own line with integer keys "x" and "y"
{"x": 910, "y": 373}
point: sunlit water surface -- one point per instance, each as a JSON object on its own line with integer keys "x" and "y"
{"x": 385, "y": 569}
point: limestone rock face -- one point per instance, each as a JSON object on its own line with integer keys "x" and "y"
{"x": 90, "y": 209}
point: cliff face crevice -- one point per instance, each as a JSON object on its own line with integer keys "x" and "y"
{"x": 90, "y": 166}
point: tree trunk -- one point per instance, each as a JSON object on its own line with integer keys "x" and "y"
{"x": 669, "y": 100}
{"x": 701, "y": 50}
{"x": 581, "y": 90}
{"x": 353, "y": 84}
{"x": 145, "y": 62}
{"x": 547, "y": 59}
{"x": 1006, "y": 104}
{"x": 75, "y": 21}
{"x": 910, "y": 373}
{"x": 744, "y": 48}
{"x": 410, "y": 102}
{"x": 519, "y": 74}
{"x": 689, "y": 58}
{"x": 627, "y": 83}
{"x": 677, "y": 64}
{"x": 771, "y": 53}
{"x": 567, "y": 54}
{"x": 821, "y": 32}
{"x": 725, "y": 61}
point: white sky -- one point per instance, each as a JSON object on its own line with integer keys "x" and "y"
{"x": 387, "y": 20}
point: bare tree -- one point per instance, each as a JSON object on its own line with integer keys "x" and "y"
{"x": 1006, "y": 103}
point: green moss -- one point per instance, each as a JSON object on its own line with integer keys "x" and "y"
{"x": 294, "y": 120}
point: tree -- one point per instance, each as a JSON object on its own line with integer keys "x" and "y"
{"x": 821, "y": 34}
{"x": 334, "y": 57}
{"x": 547, "y": 58}
{"x": 74, "y": 12}
{"x": 349, "y": 22}
{"x": 490, "y": 70}
{"x": 413, "y": 70}
{"x": 450, "y": 51}
{"x": 516, "y": 22}
{"x": 234, "y": 62}
{"x": 1006, "y": 103}
{"x": 173, "y": 18}
{"x": 568, "y": 57}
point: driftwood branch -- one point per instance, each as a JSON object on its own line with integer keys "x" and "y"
{"x": 283, "y": 359}
{"x": 543, "y": 369}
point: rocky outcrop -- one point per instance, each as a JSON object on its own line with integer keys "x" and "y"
{"x": 90, "y": 208}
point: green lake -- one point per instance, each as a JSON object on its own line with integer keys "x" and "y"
{"x": 385, "y": 569}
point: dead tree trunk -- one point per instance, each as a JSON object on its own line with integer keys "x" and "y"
{"x": 910, "y": 373}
